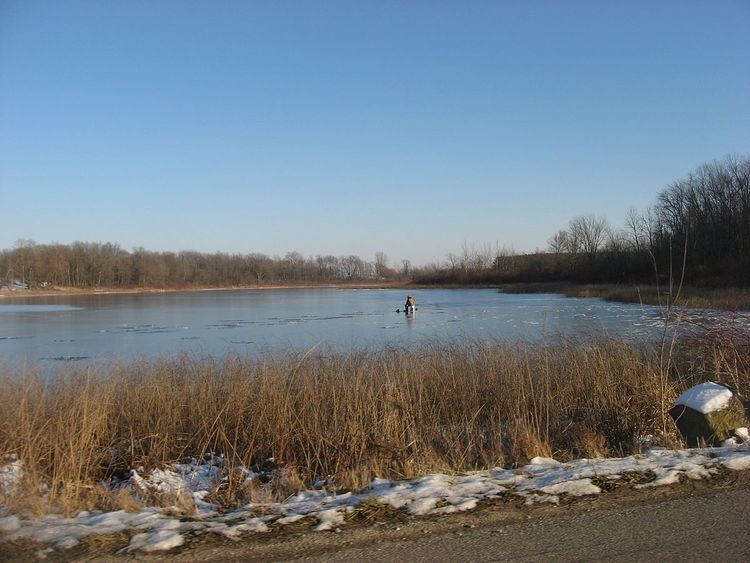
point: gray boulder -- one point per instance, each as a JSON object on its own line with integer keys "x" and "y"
{"x": 708, "y": 414}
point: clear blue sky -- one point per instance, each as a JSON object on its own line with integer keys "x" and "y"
{"x": 312, "y": 126}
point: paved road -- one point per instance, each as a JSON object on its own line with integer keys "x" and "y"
{"x": 707, "y": 520}
{"x": 701, "y": 528}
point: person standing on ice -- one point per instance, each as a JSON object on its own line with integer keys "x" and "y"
{"x": 411, "y": 304}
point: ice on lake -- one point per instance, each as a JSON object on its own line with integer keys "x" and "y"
{"x": 217, "y": 323}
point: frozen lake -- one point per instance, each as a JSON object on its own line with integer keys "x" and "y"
{"x": 57, "y": 330}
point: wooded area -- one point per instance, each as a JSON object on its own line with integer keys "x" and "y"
{"x": 701, "y": 221}
{"x": 91, "y": 264}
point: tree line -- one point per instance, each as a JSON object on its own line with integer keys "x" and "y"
{"x": 93, "y": 264}
{"x": 698, "y": 230}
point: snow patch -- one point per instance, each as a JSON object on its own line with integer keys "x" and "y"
{"x": 194, "y": 480}
{"x": 9, "y": 524}
{"x": 577, "y": 488}
{"x": 156, "y": 541}
{"x": 67, "y": 543}
{"x": 736, "y": 461}
{"x": 545, "y": 462}
{"x": 10, "y": 477}
{"x": 290, "y": 519}
{"x": 541, "y": 481}
{"x": 329, "y": 519}
{"x": 705, "y": 398}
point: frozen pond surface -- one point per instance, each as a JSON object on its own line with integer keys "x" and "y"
{"x": 57, "y": 330}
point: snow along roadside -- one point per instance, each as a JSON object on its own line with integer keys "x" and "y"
{"x": 543, "y": 480}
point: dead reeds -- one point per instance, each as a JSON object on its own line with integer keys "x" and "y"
{"x": 345, "y": 418}
{"x": 729, "y": 298}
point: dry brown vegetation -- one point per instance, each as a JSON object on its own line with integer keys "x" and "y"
{"x": 730, "y": 298}
{"x": 390, "y": 414}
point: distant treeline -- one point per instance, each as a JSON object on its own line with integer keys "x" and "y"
{"x": 91, "y": 264}
{"x": 699, "y": 226}
{"x": 701, "y": 222}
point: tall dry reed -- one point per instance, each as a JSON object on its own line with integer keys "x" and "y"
{"x": 392, "y": 414}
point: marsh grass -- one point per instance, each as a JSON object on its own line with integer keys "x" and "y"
{"x": 730, "y": 299}
{"x": 347, "y": 418}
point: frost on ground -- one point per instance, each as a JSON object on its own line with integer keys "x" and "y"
{"x": 541, "y": 481}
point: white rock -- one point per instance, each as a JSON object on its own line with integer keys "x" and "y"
{"x": 705, "y": 398}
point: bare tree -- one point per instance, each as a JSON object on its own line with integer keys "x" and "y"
{"x": 558, "y": 243}
{"x": 589, "y": 231}
{"x": 405, "y": 268}
{"x": 381, "y": 265}
{"x": 616, "y": 241}
{"x": 635, "y": 226}
{"x": 453, "y": 260}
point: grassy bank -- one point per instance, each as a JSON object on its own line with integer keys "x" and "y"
{"x": 731, "y": 299}
{"x": 349, "y": 418}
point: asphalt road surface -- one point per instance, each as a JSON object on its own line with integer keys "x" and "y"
{"x": 702, "y": 524}
{"x": 703, "y": 528}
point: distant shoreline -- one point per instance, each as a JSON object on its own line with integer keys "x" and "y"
{"x": 729, "y": 298}
{"x": 725, "y": 298}
{"x": 68, "y": 291}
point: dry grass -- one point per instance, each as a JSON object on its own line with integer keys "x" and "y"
{"x": 730, "y": 299}
{"x": 390, "y": 414}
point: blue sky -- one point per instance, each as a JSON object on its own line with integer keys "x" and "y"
{"x": 313, "y": 126}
